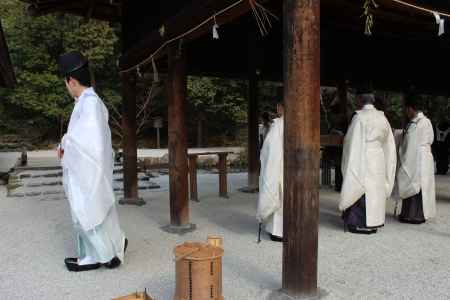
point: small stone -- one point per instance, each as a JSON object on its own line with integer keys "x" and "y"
{"x": 52, "y": 183}
{"x": 33, "y": 194}
{"x": 52, "y": 192}
{"x": 19, "y": 195}
{"x": 37, "y": 184}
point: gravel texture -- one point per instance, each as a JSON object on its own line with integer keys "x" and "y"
{"x": 400, "y": 262}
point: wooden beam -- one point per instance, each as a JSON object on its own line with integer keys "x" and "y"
{"x": 178, "y": 167}
{"x": 129, "y": 142}
{"x": 179, "y": 24}
{"x": 302, "y": 147}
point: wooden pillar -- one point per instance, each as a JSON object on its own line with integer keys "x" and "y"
{"x": 129, "y": 141}
{"x": 178, "y": 159}
{"x": 193, "y": 177}
{"x": 342, "y": 88}
{"x": 252, "y": 115}
{"x": 223, "y": 184}
{"x": 200, "y": 126}
{"x": 302, "y": 147}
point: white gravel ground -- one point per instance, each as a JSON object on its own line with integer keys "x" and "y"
{"x": 400, "y": 262}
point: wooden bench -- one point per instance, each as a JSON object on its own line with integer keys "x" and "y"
{"x": 221, "y": 166}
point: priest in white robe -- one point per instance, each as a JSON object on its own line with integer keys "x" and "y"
{"x": 415, "y": 173}
{"x": 270, "y": 200}
{"x": 87, "y": 160}
{"x": 368, "y": 168}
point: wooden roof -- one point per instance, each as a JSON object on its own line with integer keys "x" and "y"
{"x": 7, "y": 78}
{"x": 403, "y": 50}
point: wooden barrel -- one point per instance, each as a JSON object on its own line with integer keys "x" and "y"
{"x": 215, "y": 240}
{"x": 198, "y": 271}
{"x": 136, "y": 296}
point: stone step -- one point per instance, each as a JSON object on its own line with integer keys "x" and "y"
{"x": 42, "y": 184}
{"x": 49, "y": 177}
{"x": 49, "y": 164}
{"x": 43, "y": 190}
{"x": 35, "y": 191}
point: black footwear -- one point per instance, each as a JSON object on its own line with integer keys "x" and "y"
{"x": 276, "y": 238}
{"x": 113, "y": 263}
{"x": 73, "y": 266}
{"x": 410, "y": 221}
{"x": 359, "y": 230}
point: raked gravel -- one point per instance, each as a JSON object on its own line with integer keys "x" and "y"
{"x": 400, "y": 262}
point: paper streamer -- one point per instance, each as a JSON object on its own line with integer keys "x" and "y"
{"x": 215, "y": 31}
{"x": 138, "y": 70}
{"x": 440, "y": 23}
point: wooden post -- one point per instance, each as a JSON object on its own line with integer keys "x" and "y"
{"x": 336, "y": 151}
{"x": 193, "y": 177}
{"x": 253, "y": 137}
{"x": 200, "y": 125}
{"x": 158, "y": 138}
{"x": 302, "y": 147}
{"x": 178, "y": 158}
{"x": 129, "y": 142}
{"x": 222, "y": 166}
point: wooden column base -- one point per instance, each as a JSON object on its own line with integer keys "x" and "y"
{"x": 180, "y": 230}
{"x": 132, "y": 201}
{"x": 249, "y": 190}
{"x": 280, "y": 295}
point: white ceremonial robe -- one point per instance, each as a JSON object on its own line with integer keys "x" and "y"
{"x": 368, "y": 164}
{"x": 270, "y": 201}
{"x": 416, "y": 164}
{"x": 88, "y": 177}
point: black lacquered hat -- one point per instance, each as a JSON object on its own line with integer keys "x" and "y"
{"x": 364, "y": 88}
{"x": 70, "y": 62}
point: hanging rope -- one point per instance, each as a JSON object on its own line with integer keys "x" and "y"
{"x": 162, "y": 32}
{"x": 369, "y": 6}
{"x": 262, "y": 13}
{"x": 421, "y": 8}
{"x": 262, "y": 16}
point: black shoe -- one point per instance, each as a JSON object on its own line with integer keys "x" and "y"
{"x": 73, "y": 266}
{"x": 276, "y": 238}
{"x": 410, "y": 221}
{"x": 113, "y": 263}
{"x": 359, "y": 230}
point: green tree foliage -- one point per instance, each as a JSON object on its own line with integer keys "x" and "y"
{"x": 221, "y": 103}
{"x": 36, "y": 42}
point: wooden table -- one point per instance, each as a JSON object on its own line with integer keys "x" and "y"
{"x": 221, "y": 166}
{"x": 331, "y": 146}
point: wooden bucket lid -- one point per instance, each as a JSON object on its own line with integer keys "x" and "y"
{"x": 197, "y": 251}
